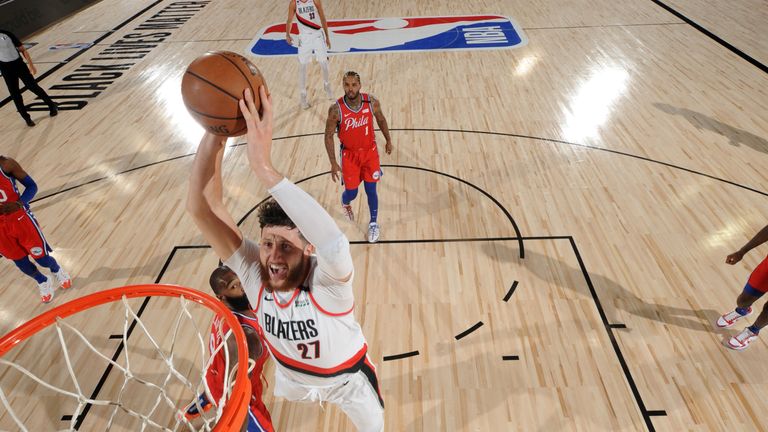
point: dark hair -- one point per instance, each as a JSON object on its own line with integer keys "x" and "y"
{"x": 352, "y": 74}
{"x": 217, "y": 277}
{"x": 271, "y": 214}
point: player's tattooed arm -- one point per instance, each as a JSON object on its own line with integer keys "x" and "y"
{"x": 330, "y": 128}
{"x": 382, "y": 122}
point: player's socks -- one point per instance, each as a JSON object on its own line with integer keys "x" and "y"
{"x": 326, "y": 84}
{"x": 742, "y": 311}
{"x": 29, "y": 269}
{"x": 754, "y": 329}
{"x": 373, "y": 200}
{"x": 49, "y": 263}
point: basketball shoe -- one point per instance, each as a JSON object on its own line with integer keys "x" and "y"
{"x": 741, "y": 340}
{"x": 347, "y": 209}
{"x": 63, "y": 279}
{"x": 192, "y": 411}
{"x": 731, "y": 317}
{"x": 373, "y": 232}
{"x": 46, "y": 291}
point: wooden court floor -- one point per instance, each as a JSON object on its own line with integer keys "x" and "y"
{"x": 555, "y": 217}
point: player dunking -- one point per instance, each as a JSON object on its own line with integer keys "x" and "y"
{"x": 313, "y": 38}
{"x": 756, "y": 287}
{"x": 228, "y": 289}
{"x": 20, "y": 235}
{"x": 352, "y": 116}
{"x": 303, "y": 300}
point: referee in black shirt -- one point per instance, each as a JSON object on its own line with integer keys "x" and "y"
{"x": 13, "y": 68}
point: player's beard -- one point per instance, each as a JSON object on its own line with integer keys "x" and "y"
{"x": 292, "y": 280}
{"x": 239, "y": 303}
{"x": 353, "y": 96}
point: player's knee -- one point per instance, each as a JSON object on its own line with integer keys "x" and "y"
{"x": 348, "y": 195}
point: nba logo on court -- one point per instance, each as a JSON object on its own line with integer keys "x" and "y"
{"x": 469, "y": 32}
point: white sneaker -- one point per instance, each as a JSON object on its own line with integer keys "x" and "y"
{"x": 741, "y": 340}
{"x": 62, "y": 277}
{"x": 328, "y": 91}
{"x": 304, "y": 102}
{"x": 373, "y": 232}
{"x": 731, "y": 317}
{"x": 46, "y": 291}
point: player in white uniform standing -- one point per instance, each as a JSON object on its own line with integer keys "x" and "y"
{"x": 298, "y": 278}
{"x": 313, "y": 38}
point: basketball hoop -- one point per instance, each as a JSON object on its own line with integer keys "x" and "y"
{"x": 230, "y": 411}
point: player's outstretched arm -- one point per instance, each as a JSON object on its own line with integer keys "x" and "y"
{"x": 317, "y": 226}
{"x": 759, "y": 238}
{"x": 330, "y": 127}
{"x": 204, "y": 198}
{"x": 382, "y": 122}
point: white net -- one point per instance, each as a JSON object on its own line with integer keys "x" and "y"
{"x": 148, "y": 383}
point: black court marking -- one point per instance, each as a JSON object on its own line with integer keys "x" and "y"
{"x": 469, "y": 330}
{"x": 401, "y": 356}
{"x": 518, "y": 236}
{"x": 657, "y": 413}
{"x": 510, "y": 357}
{"x": 556, "y": 141}
{"x": 511, "y": 291}
{"x": 119, "y": 349}
{"x": 83, "y": 51}
{"x": 624, "y": 367}
{"x": 713, "y": 36}
{"x": 116, "y": 336}
{"x": 617, "y": 326}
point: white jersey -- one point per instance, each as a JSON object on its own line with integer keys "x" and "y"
{"x": 308, "y": 17}
{"x": 311, "y": 332}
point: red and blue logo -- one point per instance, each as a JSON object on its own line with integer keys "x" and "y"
{"x": 470, "y": 32}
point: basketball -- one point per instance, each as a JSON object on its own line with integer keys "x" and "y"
{"x": 212, "y": 86}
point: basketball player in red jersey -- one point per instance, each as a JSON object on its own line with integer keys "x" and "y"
{"x": 313, "y": 38}
{"x": 298, "y": 278}
{"x": 20, "y": 235}
{"x": 228, "y": 289}
{"x": 756, "y": 287}
{"x": 352, "y": 116}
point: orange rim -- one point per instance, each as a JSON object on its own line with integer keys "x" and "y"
{"x": 234, "y": 412}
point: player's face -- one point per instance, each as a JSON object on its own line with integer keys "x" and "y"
{"x": 233, "y": 293}
{"x": 284, "y": 257}
{"x": 351, "y": 87}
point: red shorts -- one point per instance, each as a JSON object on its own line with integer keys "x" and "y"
{"x": 360, "y": 165}
{"x": 759, "y": 277}
{"x": 21, "y": 236}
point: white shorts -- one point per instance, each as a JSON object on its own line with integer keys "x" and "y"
{"x": 312, "y": 43}
{"x": 354, "y": 393}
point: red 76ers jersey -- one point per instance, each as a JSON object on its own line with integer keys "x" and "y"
{"x": 8, "y": 190}
{"x": 355, "y": 128}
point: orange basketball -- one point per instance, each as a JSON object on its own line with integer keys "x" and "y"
{"x": 212, "y": 86}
